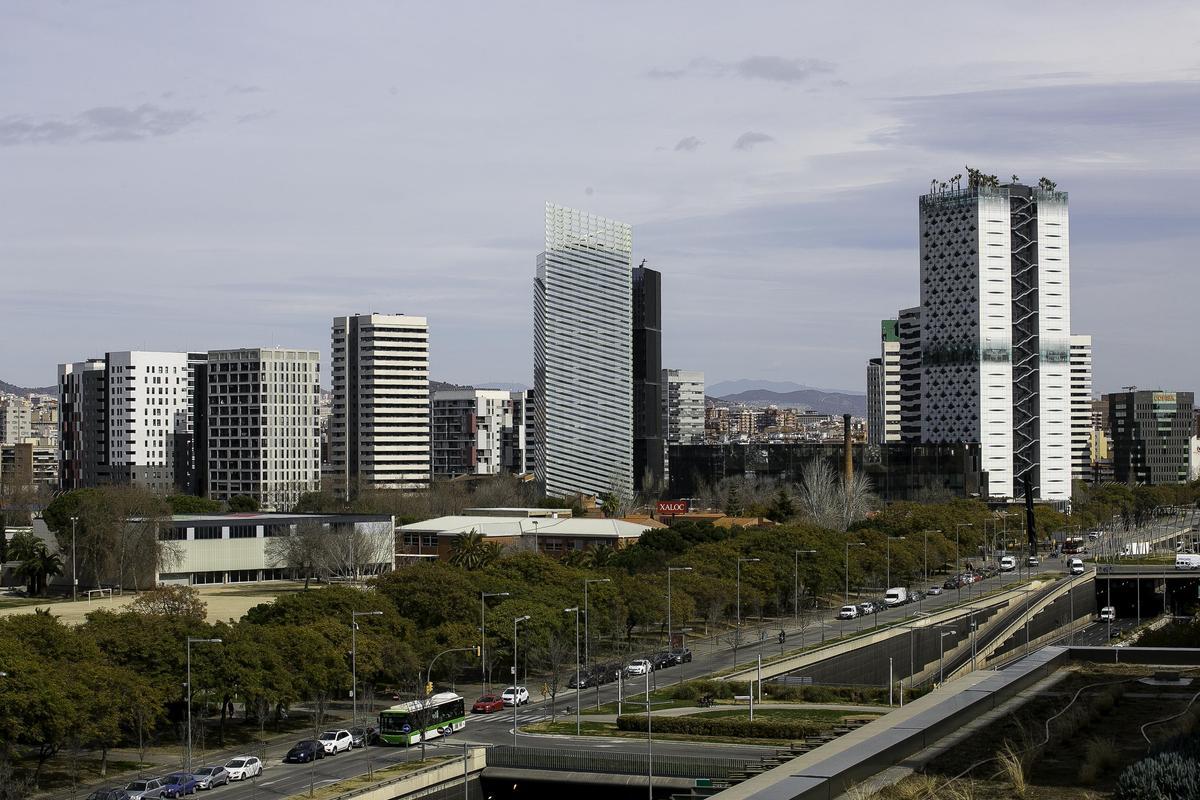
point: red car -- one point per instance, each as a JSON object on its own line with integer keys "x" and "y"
{"x": 487, "y": 704}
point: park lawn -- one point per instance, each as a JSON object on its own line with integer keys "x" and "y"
{"x": 609, "y": 729}
{"x": 631, "y": 705}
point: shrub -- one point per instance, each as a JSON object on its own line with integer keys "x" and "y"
{"x": 724, "y": 726}
{"x": 1013, "y": 766}
{"x": 1099, "y": 757}
{"x": 1170, "y": 776}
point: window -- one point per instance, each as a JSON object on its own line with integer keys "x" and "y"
{"x": 208, "y": 532}
{"x": 243, "y": 531}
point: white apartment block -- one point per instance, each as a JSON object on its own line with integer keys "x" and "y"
{"x": 16, "y": 419}
{"x": 473, "y": 429}
{"x": 908, "y": 328}
{"x": 1081, "y": 408}
{"x": 683, "y": 406}
{"x": 583, "y": 355}
{"x": 995, "y": 329}
{"x": 263, "y": 429}
{"x": 379, "y": 428}
{"x": 148, "y": 405}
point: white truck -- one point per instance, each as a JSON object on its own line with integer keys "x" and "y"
{"x": 896, "y": 596}
{"x": 1008, "y": 563}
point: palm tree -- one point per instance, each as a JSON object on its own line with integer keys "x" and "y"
{"x": 36, "y": 561}
{"x": 469, "y": 550}
{"x": 601, "y": 556}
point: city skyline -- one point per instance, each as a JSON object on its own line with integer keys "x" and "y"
{"x": 769, "y": 166}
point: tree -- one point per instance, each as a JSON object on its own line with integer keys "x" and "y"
{"x": 554, "y": 653}
{"x": 187, "y": 504}
{"x": 782, "y": 509}
{"x": 172, "y": 601}
{"x": 243, "y": 503}
{"x": 302, "y": 549}
{"x": 36, "y": 561}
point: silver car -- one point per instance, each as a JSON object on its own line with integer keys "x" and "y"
{"x": 209, "y": 777}
{"x": 145, "y": 789}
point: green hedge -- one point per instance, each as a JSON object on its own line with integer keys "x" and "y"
{"x": 731, "y": 727}
{"x": 726, "y": 690}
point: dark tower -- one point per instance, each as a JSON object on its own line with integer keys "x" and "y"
{"x": 648, "y": 442}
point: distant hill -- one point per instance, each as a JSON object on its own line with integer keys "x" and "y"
{"x": 9, "y": 388}
{"x": 503, "y": 386}
{"x": 820, "y": 401}
{"x": 726, "y": 388}
{"x": 436, "y": 386}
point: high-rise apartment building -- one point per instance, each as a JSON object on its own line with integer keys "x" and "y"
{"x": 683, "y": 406}
{"x": 649, "y": 450}
{"x": 1081, "y": 408}
{"x": 883, "y": 387}
{"x": 995, "y": 331}
{"x": 379, "y": 429}
{"x": 477, "y": 432}
{"x": 16, "y": 419}
{"x": 908, "y": 329}
{"x": 517, "y": 457}
{"x": 1151, "y": 435}
{"x": 583, "y": 355}
{"x": 126, "y": 419}
{"x": 263, "y": 429}
{"x": 875, "y": 426}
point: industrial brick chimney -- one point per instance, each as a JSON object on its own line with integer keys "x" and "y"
{"x": 848, "y": 451}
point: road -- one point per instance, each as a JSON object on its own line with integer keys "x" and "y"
{"x": 1096, "y": 634}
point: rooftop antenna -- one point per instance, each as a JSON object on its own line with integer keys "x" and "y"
{"x": 643, "y": 264}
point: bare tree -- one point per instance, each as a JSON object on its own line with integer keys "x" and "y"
{"x": 364, "y": 549}
{"x": 555, "y": 654}
{"x": 301, "y": 549}
{"x": 827, "y": 500}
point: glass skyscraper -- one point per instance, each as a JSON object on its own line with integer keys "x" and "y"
{"x": 583, "y": 355}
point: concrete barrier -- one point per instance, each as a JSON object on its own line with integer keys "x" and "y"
{"x": 422, "y": 781}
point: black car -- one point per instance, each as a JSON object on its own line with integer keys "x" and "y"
{"x": 606, "y": 673}
{"x": 661, "y": 661}
{"x": 359, "y": 737}
{"x": 304, "y": 752}
{"x": 110, "y": 793}
{"x": 585, "y": 680}
{"x": 683, "y": 656}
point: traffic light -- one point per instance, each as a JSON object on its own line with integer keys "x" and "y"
{"x": 429, "y": 687}
{"x": 478, "y": 651}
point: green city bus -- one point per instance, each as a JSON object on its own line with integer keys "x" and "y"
{"x": 441, "y": 714}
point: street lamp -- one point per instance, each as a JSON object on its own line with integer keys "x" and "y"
{"x": 846, "y": 596}
{"x": 578, "y": 688}
{"x": 587, "y": 658}
{"x": 427, "y": 689}
{"x": 670, "y": 645}
{"x": 889, "y": 559}
{"x": 741, "y": 561}
{"x": 796, "y": 581}
{"x": 957, "y": 565}
{"x": 516, "y": 688}
{"x": 354, "y": 655}
{"x": 74, "y": 576}
{"x": 942, "y": 655}
{"x": 938, "y": 530}
{"x": 483, "y": 633}
{"x": 190, "y": 641}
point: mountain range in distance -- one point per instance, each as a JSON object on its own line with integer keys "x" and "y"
{"x": 8, "y": 388}
{"x": 726, "y": 388}
{"x": 817, "y": 400}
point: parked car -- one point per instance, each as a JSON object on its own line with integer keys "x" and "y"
{"x": 487, "y": 704}
{"x": 243, "y": 767}
{"x": 145, "y": 789}
{"x": 209, "y": 777}
{"x": 953, "y": 582}
{"x": 683, "y": 656}
{"x": 177, "y": 784}
{"x": 934, "y": 591}
{"x": 304, "y": 752}
{"x": 360, "y": 737}
{"x": 1032, "y": 561}
{"x": 896, "y": 596}
{"x": 585, "y": 680}
{"x": 334, "y": 742}
{"x": 639, "y": 667}
{"x": 661, "y": 661}
{"x": 848, "y": 612}
{"x": 607, "y": 673}
{"x": 867, "y": 607}
{"x": 515, "y": 696}
{"x": 109, "y": 793}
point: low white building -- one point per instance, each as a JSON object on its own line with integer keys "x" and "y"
{"x": 553, "y": 536}
{"x": 237, "y": 548}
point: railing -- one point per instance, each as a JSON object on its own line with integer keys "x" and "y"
{"x": 613, "y": 763}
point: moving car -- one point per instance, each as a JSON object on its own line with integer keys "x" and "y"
{"x": 243, "y": 767}
{"x": 867, "y": 607}
{"x": 145, "y": 789}
{"x": 584, "y": 681}
{"x": 1032, "y": 561}
{"x": 953, "y": 582}
{"x": 1187, "y": 561}
{"x": 177, "y": 784}
{"x": 1008, "y": 563}
{"x": 1108, "y": 614}
{"x": 487, "y": 704}
{"x": 848, "y": 612}
{"x": 360, "y": 737}
{"x": 1076, "y": 566}
{"x": 638, "y": 667}
{"x": 335, "y": 742}
{"x": 933, "y": 591}
{"x": 515, "y": 696}
{"x": 683, "y": 656}
{"x": 208, "y": 777}
{"x": 304, "y": 752}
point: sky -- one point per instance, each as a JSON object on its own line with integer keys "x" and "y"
{"x": 179, "y": 176}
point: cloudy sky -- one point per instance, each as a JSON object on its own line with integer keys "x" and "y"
{"x": 201, "y": 175}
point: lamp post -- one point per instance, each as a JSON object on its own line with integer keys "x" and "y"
{"x": 587, "y": 653}
{"x": 649, "y": 743}
{"x": 483, "y": 596}
{"x": 957, "y": 564}
{"x": 578, "y": 688}
{"x": 796, "y": 581}
{"x": 889, "y": 559}
{"x": 942, "y": 655}
{"x": 516, "y": 688}
{"x": 535, "y": 543}
{"x": 427, "y": 689}
{"x": 74, "y": 576}
{"x": 937, "y": 530}
{"x": 190, "y": 641}
{"x": 846, "y": 596}
{"x": 670, "y": 645}
{"x": 354, "y": 655}
{"x": 741, "y": 561}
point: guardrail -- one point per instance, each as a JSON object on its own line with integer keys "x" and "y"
{"x": 613, "y": 763}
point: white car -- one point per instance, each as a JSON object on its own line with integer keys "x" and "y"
{"x": 243, "y": 767}
{"x": 515, "y": 696}
{"x": 639, "y": 667}
{"x": 933, "y": 591}
{"x": 848, "y": 612}
{"x": 335, "y": 742}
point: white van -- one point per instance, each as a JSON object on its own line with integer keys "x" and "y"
{"x": 848, "y": 612}
{"x": 1108, "y": 614}
{"x": 1076, "y": 566}
{"x": 896, "y": 596}
{"x": 1008, "y": 563}
{"x": 1187, "y": 561}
